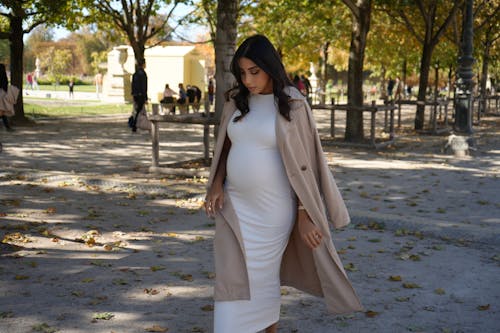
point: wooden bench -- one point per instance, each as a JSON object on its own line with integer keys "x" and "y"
{"x": 373, "y": 109}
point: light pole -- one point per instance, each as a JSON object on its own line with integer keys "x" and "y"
{"x": 465, "y": 82}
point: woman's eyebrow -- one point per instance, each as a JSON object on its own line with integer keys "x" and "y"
{"x": 252, "y": 68}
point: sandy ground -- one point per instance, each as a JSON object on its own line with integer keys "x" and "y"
{"x": 94, "y": 243}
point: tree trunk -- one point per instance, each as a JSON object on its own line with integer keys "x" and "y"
{"x": 225, "y": 44}
{"x": 138, "y": 47}
{"x": 360, "y": 28}
{"x": 425, "y": 64}
{"x": 16, "y": 65}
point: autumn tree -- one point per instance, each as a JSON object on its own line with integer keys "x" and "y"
{"x": 361, "y": 16}
{"x": 225, "y": 46}
{"x": 142, "y": 22}
{"x": 20, "y": 17}
{"x": 487, "y": 31}
{"x": 427, "y": 20}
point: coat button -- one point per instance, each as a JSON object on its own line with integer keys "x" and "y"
{"x": 303, "y": 168}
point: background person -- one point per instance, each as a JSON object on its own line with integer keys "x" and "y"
{"x": 168, "y": 97}
{"x": 139, "y": 91}
{"x": 4, "y": 84}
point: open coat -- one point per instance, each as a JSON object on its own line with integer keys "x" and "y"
{"x": 319, "y": 271}
{"x": 7, "y": 100}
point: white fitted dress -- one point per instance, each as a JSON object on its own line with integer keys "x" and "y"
{"x": 264, "y": 203}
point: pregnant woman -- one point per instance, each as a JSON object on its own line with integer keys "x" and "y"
{"x": 270, "y": 191}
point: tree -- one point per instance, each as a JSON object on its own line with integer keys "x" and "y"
{"x": 488, "y": 32}
{"x": 225, "y": 46}
{"x": 427, "y": 20}
{"x": 138, "y": 20}
{"x": 21, "y": 17}
{"x": 57, "y": 62}
{"x": 361, "y": 15}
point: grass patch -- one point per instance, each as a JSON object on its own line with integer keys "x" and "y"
{"x": 62, "y": 87}
{"x": 67, "y": 110}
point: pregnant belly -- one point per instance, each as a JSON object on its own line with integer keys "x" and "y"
{"x": 250, "y": 169}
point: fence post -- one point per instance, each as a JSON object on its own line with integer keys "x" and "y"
{"x": 332, "y": 119}
{"x": 155, "y": 139}
{"x": 372, "y": 125}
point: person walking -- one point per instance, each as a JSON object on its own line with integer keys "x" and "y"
{"x": 8, "y": 98}
{"x": 270, "y": 191}
{"x": 139, "y": 91}
{"x": 211, "y": 91}
{"x": 4, "y": 84}
{"x": 71, "y": 86}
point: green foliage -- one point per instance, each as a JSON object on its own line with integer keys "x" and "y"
{"x": 298, "y": 29}
{"x": 57, "y": 62}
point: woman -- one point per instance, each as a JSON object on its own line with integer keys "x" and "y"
{"x": 182, "y": 94}
{"x": 4, "y": 84}
{"x": 265, "y": 190}
{"x": 168, "y": 98}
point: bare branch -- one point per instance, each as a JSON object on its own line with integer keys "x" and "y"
{"x": 352, "y": 6}
{"x": 447, "y": 22}
{"x": 410, "y": 26}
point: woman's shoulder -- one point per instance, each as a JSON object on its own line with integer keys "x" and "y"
{"x": 294, "y": 93}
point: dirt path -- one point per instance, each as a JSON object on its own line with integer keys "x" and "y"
{"x": 94, "y": 243}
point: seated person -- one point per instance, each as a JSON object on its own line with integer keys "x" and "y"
{"x": 191, "y": 93}
{"x": 197, "y": 94}
{"x": 168, "y": 95}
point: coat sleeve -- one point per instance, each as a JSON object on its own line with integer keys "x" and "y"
{"x": 221, "y": 136}
{"x": 334, "y": 203}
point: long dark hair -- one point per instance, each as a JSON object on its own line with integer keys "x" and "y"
{"x": 262, "y": 52}
{"x": 4, "y": 82}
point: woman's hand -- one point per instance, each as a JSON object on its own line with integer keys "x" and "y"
{"x": 214, "y": 200}
{"x": 310, "y": 234}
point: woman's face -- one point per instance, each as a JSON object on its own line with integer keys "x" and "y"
{"x": 254, "y": 78}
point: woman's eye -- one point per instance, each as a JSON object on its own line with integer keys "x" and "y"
{"x": 254, "y": 72}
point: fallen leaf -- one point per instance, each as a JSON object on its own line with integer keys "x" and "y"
{"x": 402, "y": 299}
{"x": 208, "y": 307}
{"x": 103, "y": 316}
{"x": 21, "y": 277}
{"x": 51, "y": 210}
{"x": 410, "y": 285}
{"x": 371, "y": 314}
{"x": 187, "y": 277}
{"x": 6, "y": 314}
{"x": 43, "y": 327}
{"x": 395, "y": 278}
{"x": 439, "y": 291}
{"x": 157, "y": 268}
{"x": 483, "y": 307}
{"x": 375, "y": 240}
{"x": 350, "y": 267}
{"x": 156, "y": 328}
{"x": 151, "y": 291}
{"x": 119, "y": 282}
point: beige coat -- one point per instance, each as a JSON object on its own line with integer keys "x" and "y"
{"x": 318, "y": 272}
{"x": 7, "y": 100}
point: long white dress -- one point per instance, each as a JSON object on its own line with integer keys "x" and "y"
{"x": 263, "y": 199}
